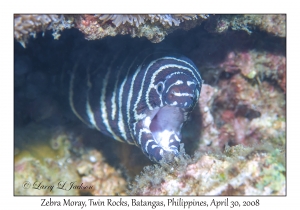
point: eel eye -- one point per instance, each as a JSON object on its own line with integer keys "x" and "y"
{"x": 160, "y": 87}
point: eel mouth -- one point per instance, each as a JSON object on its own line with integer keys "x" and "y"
{"x": 165, "y": 126}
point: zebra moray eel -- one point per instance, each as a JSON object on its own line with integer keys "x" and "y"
{"x": 142, "y": 98}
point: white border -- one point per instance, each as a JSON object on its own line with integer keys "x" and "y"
{"x": 153, "y": 6}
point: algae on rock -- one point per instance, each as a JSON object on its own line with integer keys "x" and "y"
{"x": 239, "y": 171}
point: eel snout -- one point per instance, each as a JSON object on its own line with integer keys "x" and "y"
{"x": 165, "y": 125}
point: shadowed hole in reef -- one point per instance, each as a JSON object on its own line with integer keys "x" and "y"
{"x": 47, "y": 60}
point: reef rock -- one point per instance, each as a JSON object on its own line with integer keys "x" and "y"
{"x": 153, "y": 26}
{"x": 239, "y": 171}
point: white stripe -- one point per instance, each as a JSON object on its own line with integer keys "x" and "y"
{"x": 146, "y": 146}
{"x": 71, "y": 94}
{"x": 174, "y": 103}
{"x": 178, "y": 82}
{"x": 176, "y": 138}
{"x": 113, "y": 102}
{"x": 182, "y": 94}
{"x": 113, "y": 98}
{"x": 91, "y": 114}
{"x": 143, "y": 130}
{"x": 129, "y": 99}
{"x": 142, "y": 89}
{"x": 121, "y": 119}
{"x": 161, "y": 152}
{"x": 143, "y": 81}
{"x": 113, "y": 106}
{"x": 147, "y": 122}
{"x": 172, "y": 146}
{"x": 189, "y": 65}
{"x": 104, "y": 109}
{"x": 154, "y": 76}
{"x": 154, "y": 146}
{"x": 189, "y": 83}
{"x": 197, "y": 93}
{"x": 136, "y": 116}
{"x": 88, "y": 106}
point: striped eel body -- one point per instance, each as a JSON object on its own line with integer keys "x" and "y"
{"x": 139, "y": 97}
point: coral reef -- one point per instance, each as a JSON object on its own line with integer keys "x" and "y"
{"x": 42, "y": 160}
{"x": 47, "y": 163}
{"x": 257, "y": 65}
{"x": 272, "y": 23}
{"x": 242, "y": 109}
{"x": 137, "y": 20}
{"x": 236, "y": 136}
{"x": 95, "y": 172}
{"x": 29, "y": 25}
{"x": 245, "y": 104}
{"x": 247, "y": 108}
{"x": 239, "y": 171}
{"x": 153, "y": 26}
{"x": 208, "y": 127}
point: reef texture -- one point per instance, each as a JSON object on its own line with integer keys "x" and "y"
{"x": 239, "y": 171}
{"x": 28, "y": 25}
{"x": 94, "y": 171}
{"x": 40, "y": 163}
{"x": 248, "y": 107}
{"x": 236, "y": 136}
{"x": 245, "y": 109}
{"x": 272, "y": 23}
{"x": 240, "y": 124}
{"x": 154, "y": 26}
{"x": 45, "y": 164}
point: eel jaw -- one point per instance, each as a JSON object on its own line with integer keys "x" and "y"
{"x": 165, "y": 124}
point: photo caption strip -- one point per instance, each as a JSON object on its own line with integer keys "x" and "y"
{"x": 153, "y": 202}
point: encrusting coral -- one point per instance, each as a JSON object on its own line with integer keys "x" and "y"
{"x": 246, "y": 107}
{"x": 46, "y": 164}
{"x": 42, "y": 161}
{"x": 236, "y": 136}
{"x": 105, "y": 179}
{"x": 272, "y": 23}
{"x": 28, "y": 25}
{"x": 239, "y": 171}
{"x": 243, "y": 108}
{"x": 137, "y": 20}
{"x": 152, "y": 26}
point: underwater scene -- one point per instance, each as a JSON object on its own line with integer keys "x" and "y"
{"x": 156, "y": 104}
